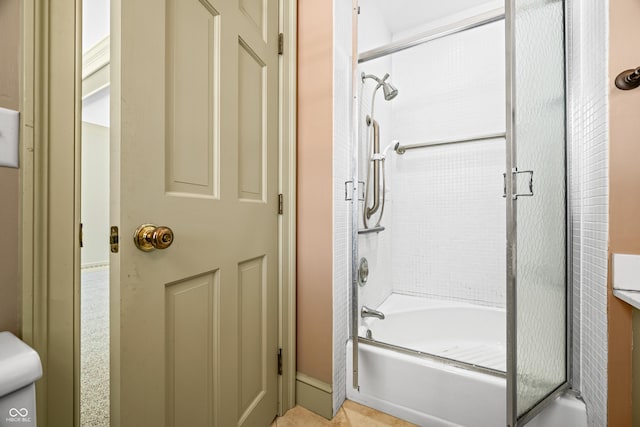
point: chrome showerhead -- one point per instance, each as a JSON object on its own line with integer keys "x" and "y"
{"x": 389, "y": 90}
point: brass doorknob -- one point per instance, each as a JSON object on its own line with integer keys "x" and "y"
{"x": 149, "y": 237}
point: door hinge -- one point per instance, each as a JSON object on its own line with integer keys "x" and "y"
{"x": 279, "y": 361}
{"x": 280, "y": 44}
{"x": 504, "y": 185}
{"x": 114, "y": 239}
{"x": 81, "y": 237}
{"x": 280, "y": 204}
{"x": 349, "y": 189}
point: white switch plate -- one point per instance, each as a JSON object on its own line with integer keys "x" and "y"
{"x": 9, "y": 137}
{"x": 626, "y": 272}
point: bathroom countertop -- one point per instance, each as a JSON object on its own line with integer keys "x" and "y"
{"x": 626, "y": 278}
{"x": 630, "y": 297}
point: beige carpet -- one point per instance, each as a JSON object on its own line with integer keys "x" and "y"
{"x": 94, "y": 348}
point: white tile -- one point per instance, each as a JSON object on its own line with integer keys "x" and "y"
{"x": 444, "y": 207}
{"x": 447, "y": 213}
{"x": 587, "y": 113}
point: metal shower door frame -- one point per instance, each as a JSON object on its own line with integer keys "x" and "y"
{"x": 511, "y": 207}
{"x": 512, "y": 227}
{"x": 355, "y": 217}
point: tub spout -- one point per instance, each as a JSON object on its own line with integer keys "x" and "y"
{"x": 370, "y": 312}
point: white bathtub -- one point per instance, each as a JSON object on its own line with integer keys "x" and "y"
{"x": 455, "y": 330}
{"x": 431, "y": 393}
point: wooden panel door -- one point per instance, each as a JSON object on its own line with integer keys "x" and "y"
{"x": 194, "y": 148}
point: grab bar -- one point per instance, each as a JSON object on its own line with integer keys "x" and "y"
{"x": 376, "y": 170}
{"x": 401, "y": 149}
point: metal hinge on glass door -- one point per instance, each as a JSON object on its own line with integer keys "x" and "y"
{"x": 515, "y": 173}
{"x": 349, "y": 189}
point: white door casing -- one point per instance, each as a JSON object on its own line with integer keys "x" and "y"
{"x": 194, "y": 120}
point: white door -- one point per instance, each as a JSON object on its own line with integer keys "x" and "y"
{"x": 194, "y": 140}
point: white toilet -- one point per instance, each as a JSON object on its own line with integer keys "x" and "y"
{"x": 20, "y": 368}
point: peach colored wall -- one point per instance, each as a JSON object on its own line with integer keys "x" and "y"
{"x": 315, "y": 195}
{"x": 9, "y": 98}
{"x": 624, "y": 198}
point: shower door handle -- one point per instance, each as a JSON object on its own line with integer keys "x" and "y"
{"x": 515, "y": 173}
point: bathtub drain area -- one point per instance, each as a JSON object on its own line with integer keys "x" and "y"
{"x": 492, "y": 356}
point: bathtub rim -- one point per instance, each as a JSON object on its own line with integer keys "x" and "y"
{"x": 402, "y": 302}
{"x": 371, "y": 324}
{"x": 562, "y": 390}
{"x": 429, "y": 356}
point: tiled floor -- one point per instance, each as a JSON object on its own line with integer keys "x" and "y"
{"x": 350, "y": 415}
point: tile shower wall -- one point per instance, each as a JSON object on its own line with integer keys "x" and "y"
{"x": 587, "y": 63}
{"x": 341, "y": 211}
{"x": 375, "y": 247}
{"x": 438, "y": 99}
{"x": 447, "y": 209}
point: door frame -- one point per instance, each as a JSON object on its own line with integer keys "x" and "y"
{"x": 51, "y": 65}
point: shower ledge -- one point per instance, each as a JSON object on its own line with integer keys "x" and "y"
{"x": 626, "y": 278}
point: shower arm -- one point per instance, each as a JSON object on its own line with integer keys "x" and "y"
{"x": 389, "y": 90}
{"x": 376, "y": 170}
{"x": 378, "y": 80}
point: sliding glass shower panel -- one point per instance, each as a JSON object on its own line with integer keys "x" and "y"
{"x": 539, "y": 293}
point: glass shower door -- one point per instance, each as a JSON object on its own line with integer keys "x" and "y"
{"x": 536, "y": 184}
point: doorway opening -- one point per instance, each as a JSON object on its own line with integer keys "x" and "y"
{"x": 94, "y": 257}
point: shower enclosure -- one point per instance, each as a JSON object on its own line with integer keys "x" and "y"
{"x": 459, "y": 210}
